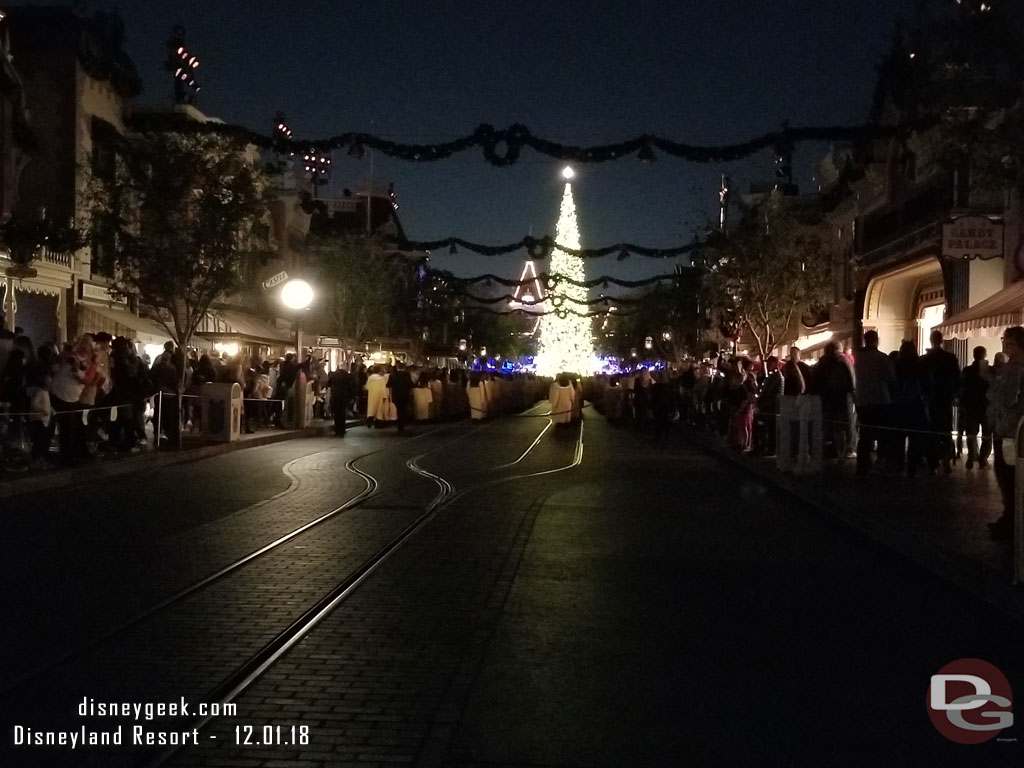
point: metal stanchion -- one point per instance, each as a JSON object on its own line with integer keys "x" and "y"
{"x": 1018, "y": 505}
{"x": 158, "y": 413}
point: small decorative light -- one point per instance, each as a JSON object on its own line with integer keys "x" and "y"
{"x": 648, "y": 342}
{"x": 483, "y": 351}
{"x": 568, "y": 173}
{"x": 462, "y": 345}
{"x": 667, "y": 336}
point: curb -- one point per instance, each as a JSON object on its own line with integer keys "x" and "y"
{"x": 978, "y": 579}
{"x": 56, "y": 479}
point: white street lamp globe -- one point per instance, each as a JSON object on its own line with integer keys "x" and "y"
{"x": 568, "y": 173}
{"x": 296, "y": 294}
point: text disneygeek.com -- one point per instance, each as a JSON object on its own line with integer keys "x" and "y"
{"x": 141, "y": 732}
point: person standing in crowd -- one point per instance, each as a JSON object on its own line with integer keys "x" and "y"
{"x": 342, "y": 386}
{"x": 166, "y": 375}
{"x": 910, "y": 409}
{"x": 378, "y": 404}
{"x": 14, "y": 392}
{"x": 641, "y": 397}
{"x": 796, "y": 380}
{"x": 66, "y": 388}
{"x": 167, "y": 355}
{"x": 124, "y": 374}
{"x": 477, "y": 400}
{"x": 99, "y": 419}
{"x": 93, "y": 379}
{"x": 400, "y": 386}
{"x": 662, "y": 405}
{"x": 874, "y": 375}
{"x": 835, "y": 385}
{"x": 1006, "y": 402}
{"x": 945, "y": 384}
{"x": 768, "y": 408}
{"x": 741, "y": 393}
{"x": 42, "y": 424}
{"x": 796, "y": 374}
{"x": 436, "y": 394}
{"x": 423, "y": 398}
{"x": 974, "y": 408}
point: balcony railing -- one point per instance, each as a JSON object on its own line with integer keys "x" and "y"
{"x": 62, "y": 259}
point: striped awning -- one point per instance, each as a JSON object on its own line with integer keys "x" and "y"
{"x": 93, "y": 318}
{"x": 989, "y": 317}
{"x": 230, "y": 325}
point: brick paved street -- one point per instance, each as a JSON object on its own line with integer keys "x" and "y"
{"x": 653, "y": 606}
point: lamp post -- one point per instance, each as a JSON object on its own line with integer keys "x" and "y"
{"x": 297, "y": 295}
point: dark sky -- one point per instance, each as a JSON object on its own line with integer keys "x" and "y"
{"x": 699, "y": 71}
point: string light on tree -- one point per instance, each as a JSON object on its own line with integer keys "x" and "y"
{"x": 566, "y": 343}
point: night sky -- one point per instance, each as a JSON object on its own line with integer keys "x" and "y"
{"x": 700, "y": 71}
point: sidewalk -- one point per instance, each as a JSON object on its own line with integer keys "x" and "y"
{"x": 114, "y": 464}
{"x": 937, "y": 521}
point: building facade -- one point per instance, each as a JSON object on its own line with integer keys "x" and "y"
{"x": 78, "y": 82}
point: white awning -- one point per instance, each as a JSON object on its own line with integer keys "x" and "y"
{"x": 93, "y": 318}
{"x": 988, "y": 317}
{"x": 231, "y": 325}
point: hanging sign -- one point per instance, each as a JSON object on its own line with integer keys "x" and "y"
{"x": 277, "y": 279}
{"x": 972, "y": 237}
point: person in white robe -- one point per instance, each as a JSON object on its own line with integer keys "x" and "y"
{"x": 477, "y": 397}
{"x": 378, "y": 401}
{"x": 562, "y": 398}
{"x": 422, "y": 398}
{"x": 436, "y": 396}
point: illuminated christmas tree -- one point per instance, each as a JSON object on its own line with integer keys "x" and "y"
{"x": 566, "y": 343}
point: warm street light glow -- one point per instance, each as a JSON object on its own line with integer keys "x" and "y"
{"x": 568, "y": 173}
{"x": 296, "y": 294}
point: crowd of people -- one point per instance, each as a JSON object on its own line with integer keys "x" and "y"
{"x": 398, "y": 393}
{"x": 898, "y": 412}
{"x": 97, "y": 395}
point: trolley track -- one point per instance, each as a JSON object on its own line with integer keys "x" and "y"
{"x": 259, "y": 663}
{"x": 371, "y": 491}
